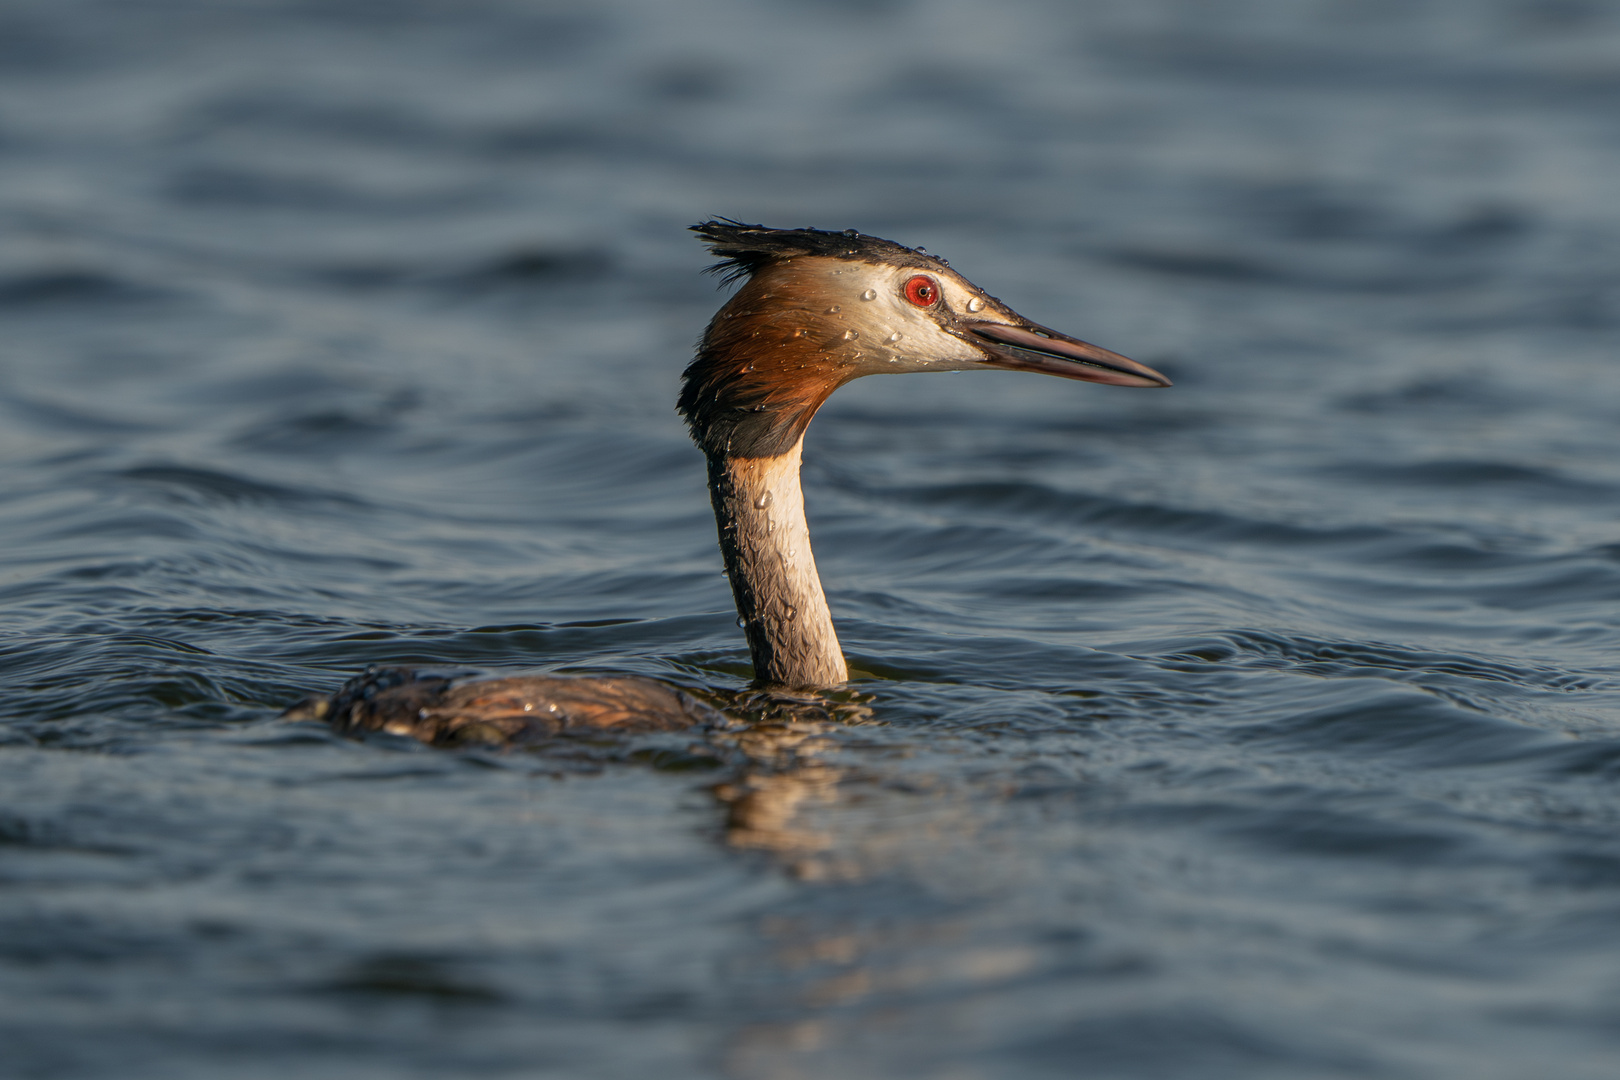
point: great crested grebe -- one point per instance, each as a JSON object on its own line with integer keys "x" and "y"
{"x": 816, "y": 309}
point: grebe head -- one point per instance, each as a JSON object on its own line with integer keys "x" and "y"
{"x": 821, "y": 308}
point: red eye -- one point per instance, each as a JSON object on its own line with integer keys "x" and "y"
{"x": 922, "y": 291}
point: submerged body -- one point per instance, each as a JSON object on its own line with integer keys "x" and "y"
{"x": 448, "y": 711}
{"x": 817, "y": 309}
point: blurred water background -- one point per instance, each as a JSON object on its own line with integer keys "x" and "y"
{"x": 1268, "y": 726}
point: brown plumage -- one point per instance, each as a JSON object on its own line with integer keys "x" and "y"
{"x": 448, "y": 711}
{"x": 816, "y": 309}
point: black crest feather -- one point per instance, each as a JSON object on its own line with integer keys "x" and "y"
{"x": 743, "y": 249}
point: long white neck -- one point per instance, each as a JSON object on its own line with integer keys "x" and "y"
{"x": 760, "y": 510}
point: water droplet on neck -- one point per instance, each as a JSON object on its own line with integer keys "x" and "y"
{"x": 976, "y": 303}
{"x": 763, "y": 501}
{"x": 869, "y": 294}
{"x": 894, "y": 337}
{"x": 835, "y": 309}
{"x": 792, "y": 613}
{"x": 851, "y": 335}
{"x": 741, "y": 621}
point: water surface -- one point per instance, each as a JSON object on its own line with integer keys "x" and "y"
{"x": 1268, "y": 726}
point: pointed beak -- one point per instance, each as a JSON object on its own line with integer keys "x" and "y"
{"x": 1028, "y": 347}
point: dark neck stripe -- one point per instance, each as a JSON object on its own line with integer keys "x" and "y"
{"x": 728, "y": 420}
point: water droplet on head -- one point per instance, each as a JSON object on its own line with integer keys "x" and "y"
{"x": 741, "y": 621}
{"x": 792, "y": 613}
{"x": 851, "y": 232}
{"x": 763, "y": 501}
{"x": 869, "y": 294}
{"x": 894, "y": 337}
{"x": 976, "y": 304}
{"x": 835, "y": 309}
{"x": 851, "y": 335}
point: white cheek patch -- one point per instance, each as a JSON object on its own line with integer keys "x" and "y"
{"x": 970, "y": 303}
{"x": 922, "y": 342}
{"x": 895, "y": 334}
{"x": 962, "y": 300}
{"x": 926, "y": 342}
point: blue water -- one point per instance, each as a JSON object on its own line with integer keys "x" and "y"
{"x": 1267, "y": 726}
